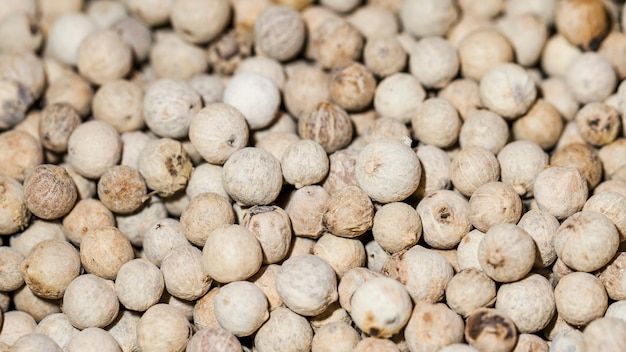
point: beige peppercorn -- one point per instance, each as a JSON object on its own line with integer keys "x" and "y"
{"x": 183, "y": 273}
{"x": 542, "y": 227}
{"x": 434, "y": 61}
{"x": 35, "y": 342}
{"x": 613, "y": 278}
{"x": 57, "y": 327}
{"x": 555, "y": 91}
{"x": 241, "y": 308}
{"x": 580, "y": 298}
{"x": 119, "y": 103}
{"x": 205, "y": 213}
{"x": 93, "y": 148}
{"x": 90, "y": 301}
{"x": 598, "y": 123}
{"x": 506, "y": 253}
{"x": 10, "y": 276}
{"x": 306, "y": 208}
{"x": 163, "y": 236}
{"x": 338, "y": 132}
{"x": 584, "y": 158}
{"x": 304, "y": 163}
{"x": 66, "y": 34}
{"x": 399, "y": 96}
{"x": 39, "y": 230}
{"x": 252, "y": 176}
{"x": 520, "y": 163}
{"x": 335, "y": 42}
{"x": 558, "y": 55}
{"x": 494, "y": 203}
{"x": 139, "y": 285}
{"x": 435, "y": 164}
{"x": 104, "y": 250}
{"x": 611, "y": 204}
{"x": 348, "y": 212}
{"x": 507, "y": 89}
{"x": 122, "y": 189}
{"x": 279, "y": 32}
{"x": 272, "y": 227}
{"x": 205, "y": 178}
{"x": 433, "y": 326}
{"x": 482, "y": 50}
{"x": 341, "y": 253}
{"x": 103, "y": 57}
{"x": 397, "y": 226}
{"x": 484, "y": 128}
{"x": 561, "y": 191}
{"x": 527, "y": 33}
{"x": 200, "y": 21}
{"x": 528, "y": 302}
{"x": 445, "y": 218}
{"x": 16, "y": 324}
{"x": 605, "y": 334}
{"x": 463, "y": 94}
{"x": 171, "y": 57}
{"x": 88, "y": 214}
{"x": 591, "y": 78}
{"x": 305, "y": 89}
{"x": 541, "y": 124}
{"x": 335, "y": 336}
{"x": 49, "y": 191}
{"x": 469, "y": 290}
{"x": 56, "y": 124}
{"x": 213, "y": 339}
{"x": 488, "y": 329}
{"x": 423, "y": 18}
{"x": 169, "y": 106}
{"x": 472, "y": 167}
{"x": 163, "y": 328}
{"x": 384, "y": 56}
{"x": 284, "y": 330}
{"x": 72, "y": 89}
{"x": 436, "y": 122}
{"x": 612, "y": 47}
{"x": 231, "y": 253}
{"x": 203, "y": 310}
{"x": 165, "y": 166}
{"x": 21, "y": 152}
{"x": 255, "y": 96}
{"x": 584, "y": 23}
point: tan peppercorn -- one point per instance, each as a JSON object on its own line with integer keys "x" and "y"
{"x": 584, "y": 23}
{"x": 88, "y": 214}
{"x": 436, "y": 170}
{"x": 397, "y": 226}
{"x": 21, "y": 152}
{"x": 231, "y": 253}
{"x": 56, "y": 124}
{"x": 472, "y": 167}
{"x": 338, "y": 132}
{"x": 520, "y": 163}
{"x": 335, "y": 336}
{"x": 384, "y": 56}
{"x": 555, "y": 91}
{"x": 119, "y": 103}
{"x": 482, "y": 50}
{"x": 507, "y": 89}
{"x": 434, "y": 61}
{"x": 241, "y": 308}
{"x": 306, "y": 208}
{"x": 436, "y": 122}
{"x": 423, "y": 18}
{"x": 83, "y": 292}
{"x": 561, "y": 191}
{"x": 122, "y": 189}
{"x": 528, "y": 302}
{"x": 183, "y": 273}
{"x": 352, "y": 86}
{"x": 494, "y": 203}
{"x": 10, "y": 276}
{"x": 67, "y": 33}
{"x": 464, "y": 94}
{"x": 433, "y": 326}
{"x": 104, "y": 250}
{"x": 213, "y": 339}
{"x": 399, "y": 96}
{"x": 139, "y": 285}
{"x": 598, "y": 123}
{"x": 445, "y": 218}
{"x": 484, "y": 128}
{"x": 163, "y": 236}
{"x": 279, "y": 32}
{"x": 612, "y": 205}
{"x": 584, "y": 158}
{"x": 580, "y": 298}
{"x": 272, "y": 227}
{"x": 93, "y": 148}
{"x": 341, "y": 253}
{"x": 335, "y": 42}
{"x": 165, "y": 166}
{"x": 613, "y": 278}
{"x": 163, "y": 327}
{"x": 591, "y": 78}
{"x": 542, "y": 227}
{"x": 171, "y": 57}
{"x": 304, "y": 163}
{"x": 488, "y": 329}
{"x": 542, "y": 124}
{"x": 103, "y": 57}
{"x": 305, "y": 89}
{"x": 469, "y": 290}
{"x": 605, "y": 334}
{"x": 169, "y": 106}
{"x": 506, "y": 253}
{"x": 252, "y": 176}
{"x": 205, "y": 213}
{"x": 200, "y": 21}
{"x": 265, "y": 279}
{"x": 284, "y": 330}
{"x": 49, "y": 191}
{"x": 348, "y": 213}
{"x": 255, "y": 96}
{"x": 39, "y": 230}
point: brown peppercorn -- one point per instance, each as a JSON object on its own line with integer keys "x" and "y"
{"x": 352, "y": 86}
{"x": 335, "y": 42}
{"x": 49, "y": 191}
{"x": 122, "y": 189}
{"x": 584, "y": 158}
{"x": 279, "y": 32}
{"x": 348, "y": 213}
{"x": 584, "y": 23}
{"x": 56, "y": 124}
{"x": 88, "y": 214}
{"x": 19, "y": 153}
{"x": 337, "y": 132}
{"x": 598, "y": 123}
{"x": 228, "y": 50}
{"x": 488, "y": 329}
{"x": 542, "y": 124}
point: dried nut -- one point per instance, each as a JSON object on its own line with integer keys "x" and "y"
{"x": 337, "y": 337}
{"x": 482, "y": 50}
{"x": 49, "y": 191}
{"x": 494, "y": 203}
{"x": 122, "y": 189}
{"x": 104, "y": 250}
{"x": 434, "y": 61}
{"x": 613, "y": 277}
{"x": 165, "y": 166}
{"x": 337, "y": 132}
{"x": 205, "y": 213}
{"x": 423, "y": 18}
{"x": 605, "y": 334}
{"x": 598, "y": 123}
{"x": 56, "y": 124}
{"x": 348, "y": 213}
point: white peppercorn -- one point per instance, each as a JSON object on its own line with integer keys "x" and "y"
{"x": 49, "y": 191}
{"x": 35, "y": 342}
{"x": 163, "y": 236}
{"x": 542, "y": 227}
{"x": 612, "y": 156}
{"x": 139, "y": 285}
{"x": 506, "y": 253}
{"x": 583, "y": 157}
{"x": 304, "y": 163}
{"x": 486, "y": 129}
{"x": 613, "y": 278}
{"x": 606, "y": 334}
{"x": 252, "y": 176}
{"x": 376, "y": 256}
{"x": 348, "y": 212}
{"x": 527, "y": 33}
{"x": 172, "y": 57}
{"x": 284, "y": 330}
{"x": 584, "y": 33}
{"x": 279, "y": 32}
{"x": 104, "y": 250}
{"x": 616, "y": 309}
{"x": 94, "y": 147}
{"x": 472, "y": 167}
{"x": 189, "y": 19}
{"x": 15, "y": 101}
{"x": 122, "y": 189}
{"x": 94, "y": 339}
{"x": 333, "y": 314}
{"x": 435, "y": 168}
{"x": 135, "y": 225}
{"x": 67, "y": 33}
{"x": 528, "y": 302}
{"x": 10, "y": 276}
{"x": 338, "y": 129}
{"x": 482, "y": 50}
{"x": 469, "y": 290}
{"x": 397, "y": 226}
{"x": 265, "y": 279}
{"x": 558, "y": 55}
{"x": 424, "y": 273}
{"x": 241, "y": 308}
{"x": 264, "y": 66}
{"x": 20, "y": 32}
{"x": 399, "y": 96}
{"x": 436, "y": 122}
{"x": 119, "y": 103}
{"x": 432, "y": 326}
{"x": 335, "y": 336}
{"x": 210, "y": 87}
{"x": 561, "y": 191}
{"x": 352, "y": 86}
{"x": 384, "y": 55}
{"x": 136, "y": 34}
{"x": 203, "y": 312}
{"x": 507, "y": 89}
{"x": 213, "y": 339}
{"x": 88, "y": 214}
{"x": 488, "y": 329}
{"x": 598, "y": 123}
{"x": 611, "y": 47}
{"x": 163, "y": 327}
{"x": 520, "y": 163}
{"x": 306, "y": 208}
{"x": 183, "y": 272}
{"x": 38, "y": 231}
{"x": 106, "y": 13}
{"x": 611, "y": 204}
{"x": 494, "y": 203}
{"x": 555, "y": 91}
{"x": 86, "y": 187}
{"x": 591, "y": 78}
{"x": 103, "y": 57}
{"x": 255, "y": 96}
{"x": 21, "y": 152}
{"x": 434, "y": 62}
{"x": 272, "y": 227}
{"x": 335, "y": 42}
{"x": 231, "y": 253}
{"x": 169, "y": 106}
{"x": 90, "y": 301}
{"x": 342, "y": 254}
{"x": 56, "y": 124}
{"x": 386, "y": 127}
{"x": 16, "y": 324}
{"x": 445, "y": 218}
{"x": 305, "y": 89}
{"x": 58, "y": 328}
{"x": 580, "y": 298}
{"x": 165, "y": 166}
{"x": 463, "y": 94}
{"x": 307, "y": 284}
{"x": 424, "y": 18}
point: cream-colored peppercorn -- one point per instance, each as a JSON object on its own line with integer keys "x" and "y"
{"x": 445, "y": 218}
{"x": 264, "y": 66}
{"x": 104, "y": 250}
{"x": 119, "y": 103}
{"x": 139, "y": 285}
{"x": 481, "y": 50}
{"x": 103, "y": 57}
{"x": 520, "y": 163}
{"x": 305, "y": 89}
{"x": 306, "y": 209}
{"x": 163, "y": 236}
{"x": 20, "y": 32}
{"x": 472, "y": 167}
{"x": 336, "y": 336}
{"x": 528, "y": 302}
{"x": 611, "y": 204}
{"x": 279, "y": 32}
{"x": 21, "y": 152}
{"x": 88, "y": 214}
{"x": 464, "y": 95}
{"x": 352, "y": 86}
{"x": 277, "y": 142}
{"x": 486, "y": 129}
{"x": 494, "y": 203}
{"x": 341, "y": 172}
{"x": 611, "y": 47}
{"x": 213, "y": 339}
{"x": 587, "y": 33}
{"x": 16, "y": 324}
{"x": 67, "y": 33}
{"x": 348, "y": 212}
{"x": 91, "y": 337}
{"x": 183, "y": 272}
{"x": 49, "y": 191}
{"x": 436, "y": 170}
{"x": 169, "y": 106}
{"x": 252, "y": 176}
{"x": 205, "y": 178}
{"x": 584, "y": 252}
{"x": 612, "y": 156}
{"x": 304, "y": 163}
{"x": 93, "y": 148}
{"x": 56, "y": 124}
{"x": 397, "y": 226}
{"x": 171, "y": 57}
{"x": 469, "y": 290}
{"x": 386, "y": 127}
{"x": 106, "y": 13}
{"x": 424, "y": 18}
{"x": 189, "y": 19}
{"x": 434, "y": 61}
{"x": 272, "y": 227}
{"x": 542, "y": 227}
{"x": 338, "y": 132}
{"x": 38, "y": 231}
{"x": 35, "y": 342}
{"x": 231, "y": 253}
{"x": 506, "y": 253}
{"x": 134, "y": 225}
{"x": 203, "y": 310}
{"x": 57, "y": 327}
{"x": 580, "y": 298}
{"x": 241, "y": 308}
{"x": 488, "y": 329}
{"x": 342, "y": 254}
{"x": 376, "y": 256}
{"x": 598, "y": 123}
{"x": 541, "y": 124}
{"x": 527, "y": 33}
{"x": 433, "y": 326}
{"x": 558, "y": 55}
{"x": 229, "y": 49}
{"x": 424, "y": 272}
{"x": 10, "y": 276}
{"x": 255, "y": 96}
{"x": 555, "y": 91}
{"x": 307, "y": 284}
{"x": 399, "y": 96}
{"x": 436, "y": 122}
{"x": 122, "y": 189}
{"x": 90, "y": 301}
{"x": 205, "y": 213}
{"x": 591, "y": 78}
{"x": 384, "y": 56}
{"x": 163, "y": 327}
{"x": 561, "y": 191}
{"x": 210, "y": 87}
{"x": 265, "y": 279}
{"x": 335, "y": 42}
{"x": 385, "y": 179}
{"x": 284, "y": 330}
{"x": 165, "y": 166}
{"x": 613, "y": 278}
{"x": 507, "y": 89}
{"x": 605, "y": 334}
{"x": 584, "y": 158}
